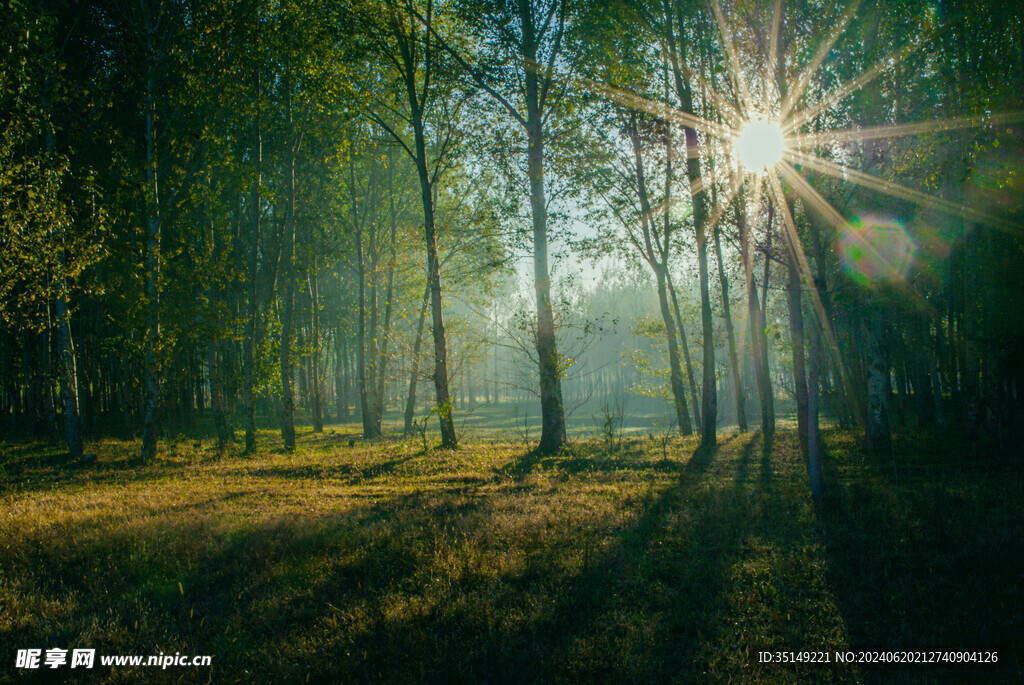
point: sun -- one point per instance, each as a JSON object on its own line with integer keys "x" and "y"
{"x": 759, "y": 145}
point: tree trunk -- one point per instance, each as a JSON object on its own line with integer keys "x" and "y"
{"x": 69, "y": 370}
{"x": 552, "y": 435}
{"x": 814, "y": 465}
{"x": 417, "y": 105}
{"x": 152, "y": 340}
{"x": 924, "y": 367}
{"x": 314, "y": 380}
{"x": 385, "y": 333}
{"x": 410, "y": 402}
{"x": 220, "y": 421}
{"x": 341, "y": 379}
{"x": 369, "y": 428}
{"x": 734, "y": 365}
{"x": 677, "y": 56}
{"x": 252, "y": 304}
{"x": 756, "y": 323}
{"x": 657, "y": 259}
{"x": 796, "y": 331}
{"x": 676, "y": 376}
{"x": 444, "y": 403}
{"x": 288, "y": 309}
{"x": 878, "y": 435}
{"x": 65, "y": 343}
{"x": 686, "y": 350}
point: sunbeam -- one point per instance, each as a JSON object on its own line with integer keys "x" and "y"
{"x": 842, "y": 92}
{"x": 730, "y": 49}
{"x": 806, "y": 275}
{"x": 898, "y": 191}
{"x": 804, "y": 79}
{"x": 808, "y": 140}
{"x": 851, "y": 235}
{"x": 660, "y": 109}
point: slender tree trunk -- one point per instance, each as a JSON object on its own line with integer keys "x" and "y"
{"x": 676, "y": 376}
{"x": 814, "y": 465}
{"x": 796, "y": 330}
{"x": 677, "y": 57}
{"x": 152, "y": 340}
{"x": 410, "y": 402}
{"x": 923, "y": 368}
{"x": 314, "y": 380}
{"x": 215, "y": 360}
{"x": 878, "y": 436}
{"x": 552, "y": 410}
{"x": 659, "y": 266}
{"x": 252, "y": 312}
{"x": 709, "y": 391}
{"x": 444, "y": 404}
{"x": 65, "y": 343}
{"x": 69, "y": 369}
{"x": 734, "y": 365}
{"x": 385, "y": 333}
{"x": 220, "y": 421}
{"x": 417, "y": 103}
{"x": 694, "y": 396}
{"x": 755, "y": 321}
{"x": 373, "y": 400}
{"x": 369, "y": 428}
{"x": 288, "y": 308}
{"x": 341, "y": 381}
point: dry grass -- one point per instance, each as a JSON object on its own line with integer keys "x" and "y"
{"x": 488, "y": 564}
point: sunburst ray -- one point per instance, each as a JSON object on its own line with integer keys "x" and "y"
{"x": 660, "y": 109}
{"x": 730, "y": 49}
{"x": 804, "y": 79}
{"x": 797, "y": 250}
{"x": 898, "y": 191}
{"x": 910, "y": 129}
{"x": 843, "y": 91}
{"x": 813, "y": 199}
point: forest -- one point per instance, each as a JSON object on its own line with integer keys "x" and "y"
{"x": 620, "y": 319}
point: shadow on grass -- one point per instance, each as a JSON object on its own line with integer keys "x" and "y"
{"x": 701, "y": 459}
{"x": 36, "y": 471}
{"x": 352, "y": 474}
{"x": 519, "y": 469}
{"x": 670, "y": 574}
{"x": 931, "y": 565}
{"x": 589, "y": 459}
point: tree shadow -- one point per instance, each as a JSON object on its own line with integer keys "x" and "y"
{"x": 351, "y": 474}
{"x": 659, "y": 576}
{"x": 701, "y": 459}
{"x": 930, "y": 565}
{"x": 767, "y": 445}
{"x": 519, "y": 469}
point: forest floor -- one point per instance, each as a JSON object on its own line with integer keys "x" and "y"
{"x": 631, "y": 561}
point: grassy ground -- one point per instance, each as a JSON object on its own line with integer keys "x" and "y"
{"x": 634, "y": 562}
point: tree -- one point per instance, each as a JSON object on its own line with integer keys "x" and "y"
{"x": 408, "y": 42}
{"x": 520, "y": 44}
{"x": 672, "y": 32}
{"x": 631, "y": 204}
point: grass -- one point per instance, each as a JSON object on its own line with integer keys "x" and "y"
{"x": 381, "y": 563}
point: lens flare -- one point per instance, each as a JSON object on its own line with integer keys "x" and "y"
{"x": 759, "y": 145}
{"x": 876, "y": 250}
